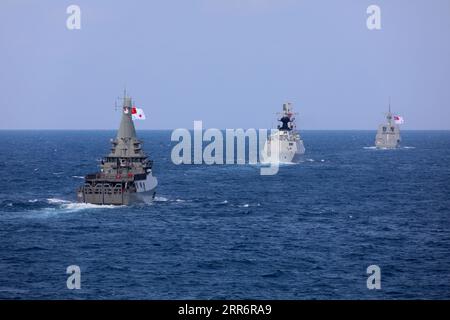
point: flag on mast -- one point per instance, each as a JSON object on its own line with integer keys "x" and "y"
{"x": 137, "y": 113}
{"x": 399, "y": 120}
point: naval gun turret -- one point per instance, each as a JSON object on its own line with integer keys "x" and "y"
{"x": 287, "y": 118}
{"x": 126, "y": 173}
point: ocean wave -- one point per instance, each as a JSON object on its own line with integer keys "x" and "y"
{"x": 76, "y": 206}
{"x": 70, "y": 206}
{"x": 279, "y": 163}
{"x": 382, "y": 149}
{"x": 56, "y": 201}
{"x": 375, "y": 148}
{"x": 52, "y": 206}
{"x": 283, "y": 163}
{"x": 242, "y": 205}
{"x": 78, "y": 177}
{"x": 48, "y": 206}
{"x": 164, "y": 199}
{"x": 21, "y": 205}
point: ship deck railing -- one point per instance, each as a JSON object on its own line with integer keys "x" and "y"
{"x": 115, "y": 177}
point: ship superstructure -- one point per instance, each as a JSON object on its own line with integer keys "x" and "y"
{"x": 126, "y": 173}
{"x": 290, "y": 145}
{"x": 388, "y": 134}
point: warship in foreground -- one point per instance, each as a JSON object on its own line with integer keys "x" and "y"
{"x": 388, "y": 134}
{"x": 126, "y": 172}
{"x": 291, "y": 146}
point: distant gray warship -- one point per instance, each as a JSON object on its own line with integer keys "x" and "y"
{"x": 290, "y": 143}
{"x": 388, "y": 134}
{"x": 126, "y": 173}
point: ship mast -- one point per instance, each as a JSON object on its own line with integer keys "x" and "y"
{"x": 126, "y": 129}
{"x": 389, "y": 115}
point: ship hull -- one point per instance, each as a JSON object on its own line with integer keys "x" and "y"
{"x": 388, "y": 136}
{"x": 384, "y": 141}
{"x": 143, "y": 197}
{"x": 101, "y": 193}
{"x": 124, "y": 198}
{"x": 290, "y": 152}
{"x": 382, "y": 146}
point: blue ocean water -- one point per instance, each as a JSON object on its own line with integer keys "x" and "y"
{"x": 226, "y": 232}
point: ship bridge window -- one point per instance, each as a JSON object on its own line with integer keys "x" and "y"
{"x": 392, "y": 129}
{"x": 384, "y": 129}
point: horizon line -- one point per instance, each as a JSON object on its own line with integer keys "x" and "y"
{"x": 191, "y": 129}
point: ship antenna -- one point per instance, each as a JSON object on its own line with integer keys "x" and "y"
{"x": 389, "y": 104}
{"x": 119, "y": 98}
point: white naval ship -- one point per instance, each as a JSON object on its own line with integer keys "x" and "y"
{"x": 388, "y": 134}
{"x": 286, "y": 143}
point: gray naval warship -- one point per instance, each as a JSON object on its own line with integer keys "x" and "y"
{"x": 126, "y": 172}
{"x": 291, "y": 146}
{"x": 388, "y": 134}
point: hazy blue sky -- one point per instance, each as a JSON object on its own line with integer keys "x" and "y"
{"x": 230, "y": 63}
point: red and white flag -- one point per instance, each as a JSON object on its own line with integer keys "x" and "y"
{"x": 137, "y": 114}
{"x": 399, "y": 120}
